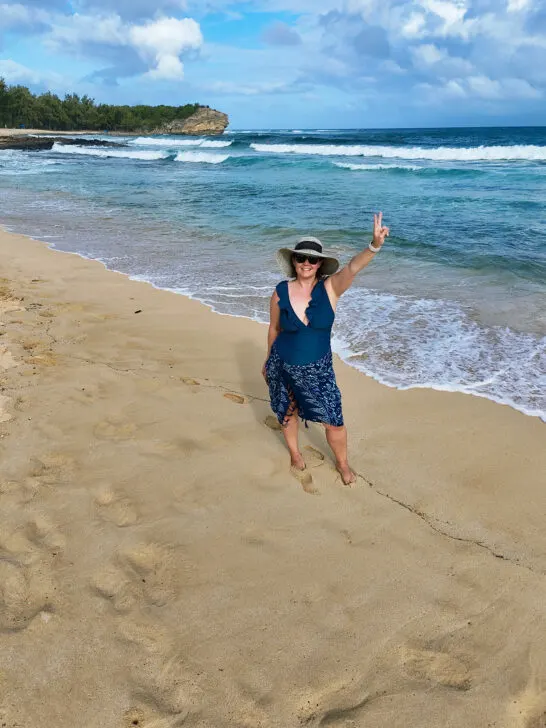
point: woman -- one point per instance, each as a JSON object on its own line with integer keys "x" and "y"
{"x": 298, "y": 367}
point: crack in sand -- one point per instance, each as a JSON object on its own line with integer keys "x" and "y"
{"x": 427, "y": 519}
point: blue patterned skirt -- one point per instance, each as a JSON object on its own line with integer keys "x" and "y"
{"x": 309, "y": 388}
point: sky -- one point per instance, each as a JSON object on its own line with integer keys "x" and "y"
{"x": 290, "y": 63}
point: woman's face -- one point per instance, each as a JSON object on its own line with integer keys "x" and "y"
{"x": 305, "y": 268}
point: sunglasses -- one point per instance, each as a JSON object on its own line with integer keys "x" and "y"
{"x": 300, "y": 258}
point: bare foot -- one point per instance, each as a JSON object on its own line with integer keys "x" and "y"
{"x": 297, "y": 462}
{"x": 347, "y": 475}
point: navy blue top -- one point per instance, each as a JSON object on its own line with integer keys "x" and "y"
{"x": 298, "y": 343}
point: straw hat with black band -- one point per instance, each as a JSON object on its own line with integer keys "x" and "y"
{"x": 306, "y": 246}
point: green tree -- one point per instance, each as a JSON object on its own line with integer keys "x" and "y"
{"x": 46, "y": 111}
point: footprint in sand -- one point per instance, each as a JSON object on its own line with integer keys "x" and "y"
{"x": 55, "y": 467}
{"x": 113, "y": 586}
{"x": 4, "y": 414}
{"x": 160, "y": 678}
{"x": 115, "y": 507}
{"x": 237, "y": 398}
{"x": 162, "y": 687}
{"x": 18, "y": 493}
{"x": 20, "y": 404}
{"x": 45, "y": 359}
{"x": 313, "y": 457}
{"x": 437, "y": 667}
{"x": 6, "y": 359}
{"x": 26, "y": 577}
{"x": 148, "y": 573}
{"x": 189, "y": 381}
{"x": 22, "y": 595}
{"x": 305, "y": 479}
{"x": 43, "y": 533}
{"x": 337, "y": 705}
{"x": 7, "y": 302}
{"x": 272, "y": 423}
{"x": 114, "y": 428}
{"x": 155, "y": 566}
{"x": 31, "y": 344}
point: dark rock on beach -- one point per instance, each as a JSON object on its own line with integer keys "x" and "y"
{"x": 31, "y": 143}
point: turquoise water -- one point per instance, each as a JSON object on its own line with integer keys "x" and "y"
{"x": 456, "y": 299}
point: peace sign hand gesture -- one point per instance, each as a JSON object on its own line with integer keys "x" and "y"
{"x": 380, "y": 232}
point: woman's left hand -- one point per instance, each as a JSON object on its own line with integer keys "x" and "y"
{"x": 380, "y": 232}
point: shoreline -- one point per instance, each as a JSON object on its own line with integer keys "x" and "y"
{"x": 160, "y": 563}
{"x": 54, "y": 132}
{"x": 336, "y": 348}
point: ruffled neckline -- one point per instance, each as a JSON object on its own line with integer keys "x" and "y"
{"x": 313, "y": 303}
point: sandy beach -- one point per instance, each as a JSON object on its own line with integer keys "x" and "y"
{"x": 161, "y": 567}
{"x": 4, "y": 132}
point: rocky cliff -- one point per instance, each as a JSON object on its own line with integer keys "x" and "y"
{"x": 204, "y": 121}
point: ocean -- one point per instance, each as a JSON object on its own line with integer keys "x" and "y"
{"x": 455, "y": 300}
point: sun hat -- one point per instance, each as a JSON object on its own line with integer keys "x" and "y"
{"x": 306, "y": 246}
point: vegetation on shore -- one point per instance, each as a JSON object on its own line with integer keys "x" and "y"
{"x": 20, "y": 107}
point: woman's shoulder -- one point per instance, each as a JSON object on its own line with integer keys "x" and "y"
{"x": 281, "y": 287}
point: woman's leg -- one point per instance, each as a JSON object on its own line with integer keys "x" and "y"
{"x": 290, "y": 432}
{"x": 337, "y": 439}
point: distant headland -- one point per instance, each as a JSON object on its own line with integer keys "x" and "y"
{"x": 20, "y": 108}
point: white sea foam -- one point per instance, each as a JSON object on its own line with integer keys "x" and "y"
{"x": 530, "y": 152}
{"x": 15, "y": 162}
{"x": 108, "y": 152}
{"x": 373, "y": 167}
{"x": 215, "y": 144}
{"x": 201, "y": 157}
{"x": 410, "y": 342}
{"x": 162, "y": 142}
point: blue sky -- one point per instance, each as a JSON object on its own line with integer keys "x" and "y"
{"x": 291, "y": 63}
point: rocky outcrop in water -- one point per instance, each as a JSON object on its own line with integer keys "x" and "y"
{"x": 31, "y": 143}
{"x": 204, "y": 121}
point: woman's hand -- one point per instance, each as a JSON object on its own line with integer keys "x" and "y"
{"x": 337, "y": 284}
{"x": 380, "y": 232}
{"x": 264, "y": 374}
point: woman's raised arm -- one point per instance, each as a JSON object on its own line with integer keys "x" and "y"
{"x": 343, "y": 279}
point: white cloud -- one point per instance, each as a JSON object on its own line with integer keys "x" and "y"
{"x": 167, "y": 67}
{"x": 515, "y": 6}
{"x": 162, "y": 41}
{"x": 480, "y": 88}
{"x": 454, "y": 89}
{"x": 15, "y": 73}
{"x": 13, "y": 14}
{"x": 69, "y": 31}
{"x": 414, "y": 26}
{"x": 159, "y": 43}
{"x": 391, "y": 66}
{"x": 427, "y": 54}
{"x": 252, "y": 89}
{"x": 450, "y": 12}
{"x": 452, "y": 17}
{"x": 519, "y": 88}
{"x": 485, "y": 87}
